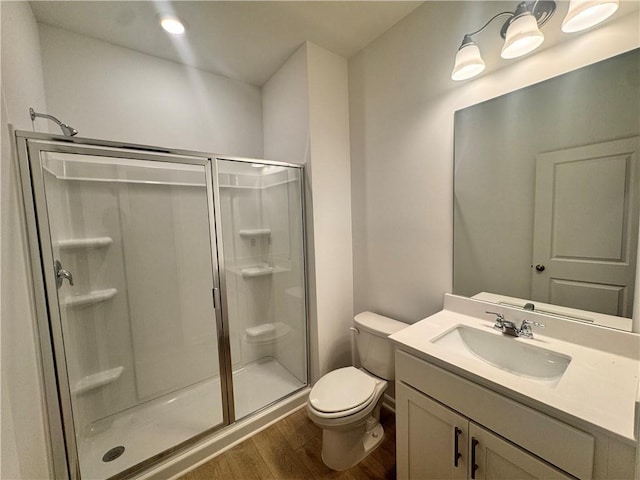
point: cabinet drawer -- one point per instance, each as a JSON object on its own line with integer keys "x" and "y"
{"x": 558, "y": 443}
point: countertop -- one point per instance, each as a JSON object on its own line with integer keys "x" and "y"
{"x": 599, "y": 387}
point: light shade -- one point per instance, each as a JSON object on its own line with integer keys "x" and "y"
{"x": 172, "y": 24}
{"x": 468, "y": 63}
{"x": 523, "y": 36}
{"x": 584, "y": 14}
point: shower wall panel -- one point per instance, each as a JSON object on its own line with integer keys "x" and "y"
{"x": 281, "y": 202}
{"x": 249, "y": 298}
{"x": 98, "y": 337}
{"x": 163, "y": 252}
{"x": 172, "y": 337}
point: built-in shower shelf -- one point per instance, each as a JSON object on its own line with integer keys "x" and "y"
{"x": 260, "y": 271}
{"x": 90, "y": 298}
{"x": 267, "y": 332}
{"x": 255, "y": 232}
{"x": 97, "y": 380}
{"x": 86, "y": 243}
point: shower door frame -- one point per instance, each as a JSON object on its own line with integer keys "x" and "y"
{"x": 223, "y": 278}
{"x": 61, "y": 428}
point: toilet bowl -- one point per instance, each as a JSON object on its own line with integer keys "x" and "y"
{"x": 346, "y": 402}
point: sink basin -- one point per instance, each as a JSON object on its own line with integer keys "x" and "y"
{"x": 506, "y": 353}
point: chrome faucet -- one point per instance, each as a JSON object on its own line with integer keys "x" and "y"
{"x": 507, "y": 327}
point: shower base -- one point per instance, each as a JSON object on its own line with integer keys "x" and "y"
{"x": 157, "y": 425}
{"x": 261, "y": 383}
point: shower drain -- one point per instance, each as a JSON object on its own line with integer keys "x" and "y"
{"x": 112, "y": 454}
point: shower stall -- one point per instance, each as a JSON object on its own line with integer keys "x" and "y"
{"x": 170, "y": 290}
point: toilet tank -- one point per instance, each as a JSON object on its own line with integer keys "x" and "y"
{"x": 375, "y": 350}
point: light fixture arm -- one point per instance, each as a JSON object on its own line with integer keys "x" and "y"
{"x": 487, "y": 24}
{"x": 520, "y": 10}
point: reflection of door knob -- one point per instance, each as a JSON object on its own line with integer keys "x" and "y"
{"x": 540, "y": 268}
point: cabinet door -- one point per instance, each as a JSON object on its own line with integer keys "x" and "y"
{"x": 493, "y": 458}
{"x": 431, "y": 439}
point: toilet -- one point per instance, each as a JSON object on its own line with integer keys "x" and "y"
{"x": 346, "y": 402}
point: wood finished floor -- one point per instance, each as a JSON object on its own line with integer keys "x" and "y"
{"x": 290, "y": 449}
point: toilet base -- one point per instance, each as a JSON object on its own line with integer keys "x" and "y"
{"x": 342, "y": 450}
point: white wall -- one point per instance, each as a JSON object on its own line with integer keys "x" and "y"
{"x": 305, "y": 108}
{"x": 402, "y": 105}
{"x": 285, "y": 111}
{"x": 110, "y": 92}
{"x": 331, "y": 192}
{"x": 24, "y": 449}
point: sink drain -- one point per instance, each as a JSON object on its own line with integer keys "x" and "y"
{"x": 112, "y": 454}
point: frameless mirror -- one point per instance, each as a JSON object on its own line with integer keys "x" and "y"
{"x": 546, "y": 195}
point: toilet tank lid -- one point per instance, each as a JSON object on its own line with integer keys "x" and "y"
{"x": 378, "y": 324}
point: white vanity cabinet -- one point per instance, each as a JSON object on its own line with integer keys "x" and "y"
{"x": 559, "y": 405}
{"x": 513, "y": 440}
{"x": 436, "y": 443}
{"x": 431, "y": 440}
{"x": 497, "y": 459}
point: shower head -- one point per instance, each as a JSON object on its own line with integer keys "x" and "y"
{"x": 66, "y": 129}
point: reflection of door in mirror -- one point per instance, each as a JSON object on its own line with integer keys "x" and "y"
{"x": 498, "y": 146}
{"x": 586, "y": 220}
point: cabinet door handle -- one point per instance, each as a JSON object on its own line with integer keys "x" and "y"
{"x": 456, "y": 452}
{"x": 474, "y": 466}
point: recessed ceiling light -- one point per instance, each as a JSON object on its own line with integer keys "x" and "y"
{"x": 172, "y": 24}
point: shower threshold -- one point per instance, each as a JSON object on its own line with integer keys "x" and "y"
{"x": 158, "y": 425}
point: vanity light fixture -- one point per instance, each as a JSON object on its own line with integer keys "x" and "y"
{"x": 523, "y": 35}
{"x": 469, "y": 63}
{"x": 172, "y": 24}
{"x": 521, "y": 31}
{"x": 584, "y": 14}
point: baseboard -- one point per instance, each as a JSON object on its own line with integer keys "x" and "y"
{"x": 389, "y": 403}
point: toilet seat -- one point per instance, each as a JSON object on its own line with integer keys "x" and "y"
{"x": 342, "y": 392}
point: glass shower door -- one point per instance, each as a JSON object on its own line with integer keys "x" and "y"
{"x": 129, "y": 238}
{"x": 264, "y": 290}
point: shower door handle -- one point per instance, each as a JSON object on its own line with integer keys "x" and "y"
{"x": 61, "y": 274}
{"x": 216, "y": 300}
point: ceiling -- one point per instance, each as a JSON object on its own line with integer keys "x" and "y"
{"x": 246, "y": 41}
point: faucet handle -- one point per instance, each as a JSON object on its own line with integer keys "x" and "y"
{"x": 528, "y": 323}
{"x": 499, "y": 320}
{"x": 525, "y": 329}
{"x": 499, "y": 316}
